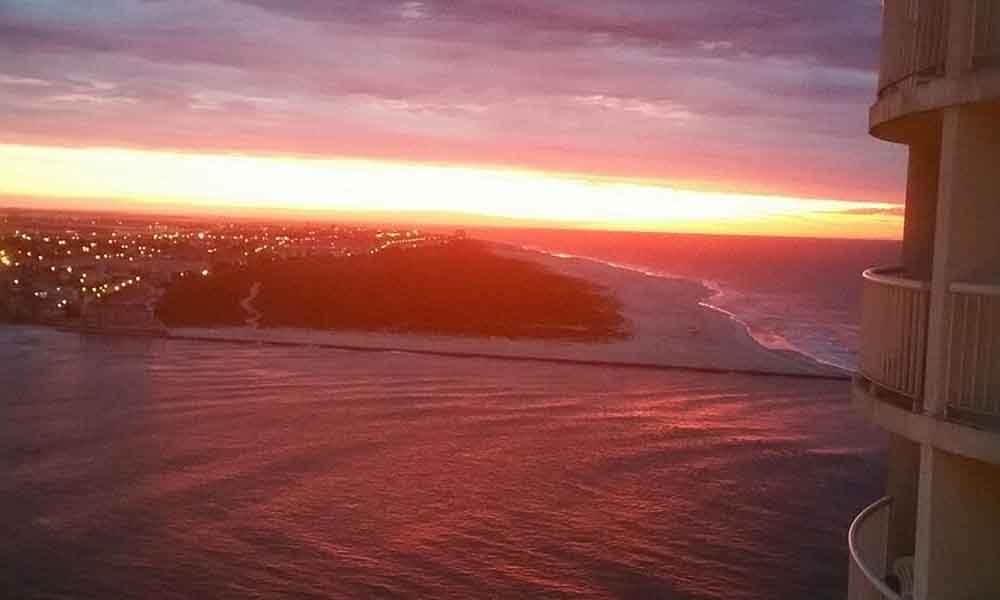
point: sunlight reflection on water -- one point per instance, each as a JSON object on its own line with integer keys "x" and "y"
{"x": 152, "y": 468}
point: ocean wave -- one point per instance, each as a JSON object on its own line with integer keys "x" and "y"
{"x": 816, "y": 340}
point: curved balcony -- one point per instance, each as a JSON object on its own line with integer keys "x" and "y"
{"x": 894, "y": 331}
{"x": 925, "y": 67}
{"x": 867, "y": 542}
{"x": 914, "y": 42}
{"x": 894, "y": 339}
{"x": 889, "y": 387}
{"x": 972, "y": 377}
{"x": 986, "y": 36}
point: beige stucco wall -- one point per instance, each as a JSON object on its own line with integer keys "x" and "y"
{"x": 903, "y": 476}
{"x": 962, "y": 540}
{"x": 966, "y": 244}
{"x": 921, "y": 205}
{"x": 969, "y": 193}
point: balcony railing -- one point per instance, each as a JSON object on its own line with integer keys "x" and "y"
{"x": 894, "y": 342}
{"x": 973, "y": 358}
{"x": 986, "y": 41}
{"x": 915, "y": 39}
{"x": 867, "y": 541}
{"x": 894, "y": 331}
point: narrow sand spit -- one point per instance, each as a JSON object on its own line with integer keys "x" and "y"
{"x": 667, "y": 328}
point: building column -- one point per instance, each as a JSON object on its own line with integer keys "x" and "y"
{"x": 902, "y": 486}
{"x": 921, "y": 204}
{"x": 965, "y": 240}
{"x": 959, "y": 525}
{"x": 922, "y": 537}
{"x": 958, "y": 511}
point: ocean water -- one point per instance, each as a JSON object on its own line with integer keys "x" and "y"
{"x": 795, "y": 294}
{"x": 151, "y": 468}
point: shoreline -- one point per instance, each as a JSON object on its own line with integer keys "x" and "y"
{"x": 714, "y": 289}
{"x": 700, "y": 293}
{"x": 243, "y": 341}
{"x": 670, "y": 324}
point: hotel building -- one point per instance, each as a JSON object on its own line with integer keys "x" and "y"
{"x": 929, "y": 369}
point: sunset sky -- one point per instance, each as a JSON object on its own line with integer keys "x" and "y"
{"x": 714, "y": 115}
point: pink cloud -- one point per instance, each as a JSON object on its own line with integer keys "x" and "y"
{"x": 736, "y": 95}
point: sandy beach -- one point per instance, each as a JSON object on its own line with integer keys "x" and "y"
{"x": 667, "y": 326}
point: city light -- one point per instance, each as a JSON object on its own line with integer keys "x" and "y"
{"x": 138, "y": 268}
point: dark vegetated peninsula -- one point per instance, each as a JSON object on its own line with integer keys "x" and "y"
{"x": 458, "y": 288}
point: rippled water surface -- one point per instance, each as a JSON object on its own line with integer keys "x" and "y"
{"x": 139, "y": 468}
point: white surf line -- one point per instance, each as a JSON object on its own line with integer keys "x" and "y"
{"x": 715, "y": 290}
{"x": 247, "y": 304}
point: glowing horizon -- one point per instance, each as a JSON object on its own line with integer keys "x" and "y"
{"x": 710, "y": 116}
{"x": 145, "y": 179}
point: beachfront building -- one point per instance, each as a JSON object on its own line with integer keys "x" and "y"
{"x": 929, "y": 369}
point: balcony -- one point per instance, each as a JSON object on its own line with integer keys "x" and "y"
{"x": 894, "y": 343}
{"x": 972, "y": 376}
{"x": 867, "y": 541}
{"x": 894, "y": 332}
{"x": 919, "y": 50}
{"x": 915, "y": 40}
{"x": 889, "y": 387}
{"x": 986, "y": 37}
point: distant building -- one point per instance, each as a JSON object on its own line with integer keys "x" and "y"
{"x": 929, "y": 369}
